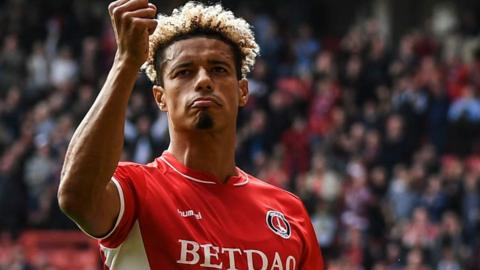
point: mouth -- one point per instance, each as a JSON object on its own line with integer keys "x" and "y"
{"x": 204, "y": 102}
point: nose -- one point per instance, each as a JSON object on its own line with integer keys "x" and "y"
{"x": 204, "y": 81}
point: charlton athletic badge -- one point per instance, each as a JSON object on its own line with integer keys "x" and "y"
{"x": 277, "y": 222}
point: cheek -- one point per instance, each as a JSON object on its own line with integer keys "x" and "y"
{"x": 176, "y": 103}
{"x": 177, "y": 106}
{"x": 172, "y": 95}
{"x": 231, "y": 92}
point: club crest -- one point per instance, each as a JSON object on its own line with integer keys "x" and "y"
{"x": 277, "y": 222}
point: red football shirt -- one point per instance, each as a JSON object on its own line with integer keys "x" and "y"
{"x": 173, "y": 217}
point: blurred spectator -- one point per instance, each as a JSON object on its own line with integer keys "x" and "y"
{"x": 64, "y": 69}
{"x": 44, "y": 123}
{"x": 38, "y": 178}
{"x": 371, "y": 148}
{"x": 326, "y": 227}
{"x": 395, "y": 147}
{"x": 353, "y": 248}
{"x": 466, "y": 107}
{"x": 274, "y": 174}
{"x": 448, "y": 261}
{"x": 280, "y": 115}
{"x": 393, "y": 256}
{"x": 374, "y": 70}
{"x": 357, "y": 198}
{"x": 85, "y": 97}
{"x": 11, "y": 62}
{"x": 410, "y": 102}
{"x": 159, "y": 131}
{"x": 296, "y": 144}
{"x": 325, "y": 96}
{"x": 401, "y": 195}
{"x": 450, "y": 236}
{"x": 420, "y": 231}
{"x": 434, "y": 199}
{"x": 267, "y": 36}
{"x": 471, "y": 209}
{"x": 90, "y": 61}
{"x": 378, "y": 183}
{"x": 452, "y": 173}
{"x": 10, "y": 115}
{"x": 253, "y": 141}
{"x": 305, "y": 47}
{"x": 437, "y": 115}
{"x": 464, "y": 118}
{"x": 257, "y": 85}
{"x": 416, "y": 260}
{"x": 323, "y": 181}
{"x": 142, "y": 145}
{"x": 38, "y": 68}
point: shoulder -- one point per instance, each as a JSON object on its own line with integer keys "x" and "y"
{"x": 274, "y": 192}
{"x": 127, "y": 165}
{"x": 264, "y": 186}
{"x": 155, "y": 165}
{"x": 135, "y": 171}
{"x": 277, "y": 199}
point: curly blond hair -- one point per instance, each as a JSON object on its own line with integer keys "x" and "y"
{"x": 193, "y": 18}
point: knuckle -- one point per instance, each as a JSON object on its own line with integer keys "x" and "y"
{"x": 143, "y": 2}
{"x": 125, "y": 16}
{"x": 136, "y": 23}
{"x": 149, "y": 15}
{"x": 116, "y": 11}
{"x": 128, "y": 17}
{"x": 152, "y": 6}
{"x": 111, "y": 6}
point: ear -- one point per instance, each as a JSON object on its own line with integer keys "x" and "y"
{"x": 159, "y": 96}
{"x": 243, "y": 92}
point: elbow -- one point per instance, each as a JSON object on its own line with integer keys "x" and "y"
{"x": 70, "y": 203}
{"x": 65, "y": 202}
{"x": 65, "y": 194}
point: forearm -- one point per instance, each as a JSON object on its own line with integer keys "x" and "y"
{"x": 86, "y": 193}
{"x": 96, "y": 145}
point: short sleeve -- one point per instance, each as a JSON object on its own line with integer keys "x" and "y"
{"x": 123, "y": 179}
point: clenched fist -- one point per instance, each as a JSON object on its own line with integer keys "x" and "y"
{"x": 133, "y": 21}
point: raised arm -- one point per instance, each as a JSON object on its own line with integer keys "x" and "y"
{"x": 86, "y": 193}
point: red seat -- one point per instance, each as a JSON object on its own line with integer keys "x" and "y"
{"x": 60, "y": 249}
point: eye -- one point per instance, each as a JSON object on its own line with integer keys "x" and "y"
{"x": 182, "y": 73}
{"x": 219, "y": 69}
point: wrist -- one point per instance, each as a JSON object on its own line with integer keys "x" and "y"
{"x": 127, "y": 62}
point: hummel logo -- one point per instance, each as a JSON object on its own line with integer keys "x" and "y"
{"x": 189, "y": 213}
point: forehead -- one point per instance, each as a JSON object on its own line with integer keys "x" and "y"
{"x": 198, "y": 48}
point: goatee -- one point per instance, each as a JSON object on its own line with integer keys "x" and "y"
{"x": 205, "y": 121}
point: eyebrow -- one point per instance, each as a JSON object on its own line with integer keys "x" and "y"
{"x": 219, "y": 62}
{"x": 181, "y": 65}
{"x": 190, "y": 63}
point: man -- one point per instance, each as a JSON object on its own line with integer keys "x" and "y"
{"x": 191, "y": 208}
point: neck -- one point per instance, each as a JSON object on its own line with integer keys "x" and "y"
{"x": 211, "y": 152}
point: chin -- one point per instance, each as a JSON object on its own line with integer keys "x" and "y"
{"x": 205, "y": 121}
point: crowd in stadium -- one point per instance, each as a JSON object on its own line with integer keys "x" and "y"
{"x": 380, "y": 140}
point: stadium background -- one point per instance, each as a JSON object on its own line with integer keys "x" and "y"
{"x": 367, "y": 110}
